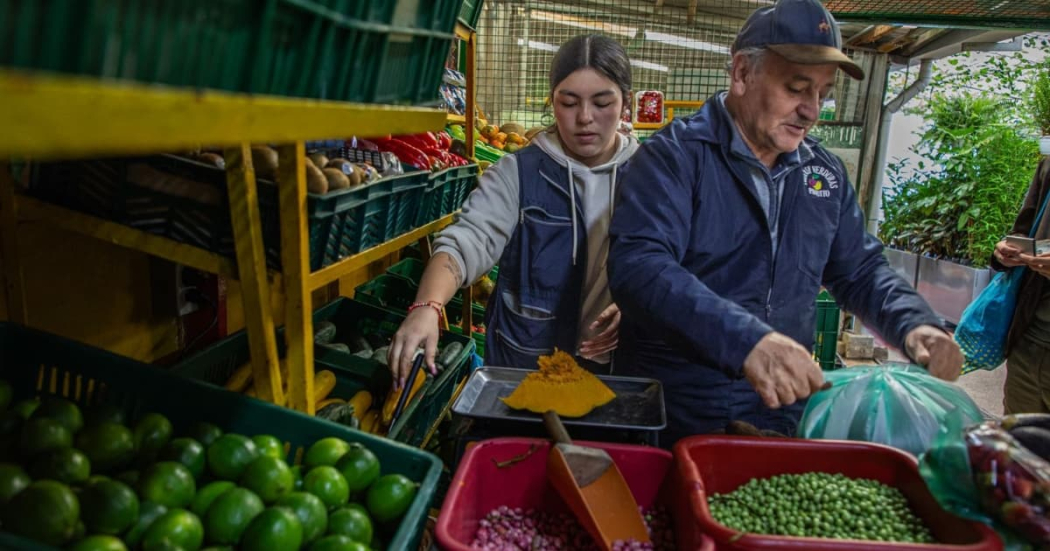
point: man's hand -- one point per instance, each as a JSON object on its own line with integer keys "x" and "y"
{"x": 606, "y": 341}
{"x": 931, "y": 347}
{"x": 1039, "y": 264}
{"x": 782, "y": 371}
{"x": 1007, "y": 255}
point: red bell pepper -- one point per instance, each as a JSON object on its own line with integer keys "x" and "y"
{"x": 445, "y": 139}
{"x": 406, "y": 152}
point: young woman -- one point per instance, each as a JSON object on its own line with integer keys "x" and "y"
{"x": 543, "y": 215}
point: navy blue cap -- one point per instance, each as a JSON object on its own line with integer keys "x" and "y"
{"x": 802, "y": 31}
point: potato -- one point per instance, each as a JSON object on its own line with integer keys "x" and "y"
{"x": 342, "y": 165}
{"x": 264, "y": 160}
{"x": 212, "y": 159}
{"x": 336, "y": 179}
{"x": 318, "y": 159}
{"x": 316, "y": 182}
{"x": 358, "y": 176}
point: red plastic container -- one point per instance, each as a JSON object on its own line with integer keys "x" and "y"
{"x": 721, "y": 464}
{"x": 479, "y": 486}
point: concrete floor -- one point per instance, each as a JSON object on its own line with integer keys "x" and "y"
{"x": 986, "y": 388}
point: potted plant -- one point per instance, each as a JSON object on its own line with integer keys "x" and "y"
{"x": 1040, "y": 105}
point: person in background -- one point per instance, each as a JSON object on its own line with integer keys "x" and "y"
{"x": 726, "y": 227}
{"x": 1028, "y": 341}
{"x": 543, "y": 213}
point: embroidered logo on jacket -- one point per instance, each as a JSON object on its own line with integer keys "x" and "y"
{"x": 819, "y": 181}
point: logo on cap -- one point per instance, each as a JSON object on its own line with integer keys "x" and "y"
{"x": 824, "y": 27}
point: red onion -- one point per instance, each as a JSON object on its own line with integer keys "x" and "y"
{"x": 515, "y": 529}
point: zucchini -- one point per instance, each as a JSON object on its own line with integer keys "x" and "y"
{"x": 449, "y": 355}
{"x": 380, "y": 355}
{"x": 339, "y": 413}
{"x": 324, "y": 332}
{"x": 336, "y": 346}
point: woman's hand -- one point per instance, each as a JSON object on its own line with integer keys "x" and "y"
{"x": 606, "y": 341}
{"x": 1007, "y": 255}
{"x": 1039, "y": 264}
{"x": 420, "y": 329}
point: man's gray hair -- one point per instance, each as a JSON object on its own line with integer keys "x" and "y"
{"x": 754, "y": 55}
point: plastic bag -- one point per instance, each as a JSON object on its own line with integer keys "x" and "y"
{"x": 981, "y": 472}
{"x": 898, "y": 405}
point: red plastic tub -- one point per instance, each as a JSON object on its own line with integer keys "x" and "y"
{"x": 479, "y": 486}
{"x": 721, "y": 464}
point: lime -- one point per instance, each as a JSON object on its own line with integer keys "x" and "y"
{"x": 175, "y": 529}
{"x": 389, "y": 497}
{"x": 68, "y": 465}
{"x": 151, "y": 433}
{"x": 148, "y": 512}
{"x": 99, "y": 543}
{"x": 108, "y": 507}
{"x": 167, "y": 483}
{"x": 275, "y": 529}
{"x": 187, "y": 451}
{"x": 42, "y": 435}
{"x": 60, "y": 410}
{"x": 326, "y": 483}
{"x": 230, "y": 455}
{"x": 297, "y": 476}
{"x": 46, "y": 511}
{"x": 109, "y": 446}
{"x": 269, "y": 445}
{"x": 337, "y": 543}
{"x": 205, "y": 433}
{"x": 25, "y": 408}
{"x": 269, "y": 477}
{"x": 351, "y": 521}
{"x": 359, "y": 467}
{"x": 12, "y": 480}
{"x": 104, "y": 412}
{"x": 311, "y": 512}
{"x": 206, "y": 495}
{"x": 229, "y": 515}
{"x": 5, "y": 394}
{"x": 325, "y": 451}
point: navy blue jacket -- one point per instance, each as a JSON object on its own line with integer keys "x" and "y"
{"x": 535, "y": 306}
{"x": 692, "y": 268}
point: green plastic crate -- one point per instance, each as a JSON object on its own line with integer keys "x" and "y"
{"x": 372, "y": 51}
{"x": 470, "y": 13}
{"x": 215, "y": 364}
{"x": 446, "y": 191}
{"x": 37, "y": 364}
{"x": 825, "y": 344}
{"x": 340, "y": 223}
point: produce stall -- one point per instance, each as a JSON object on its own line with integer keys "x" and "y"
{"x": 304, "y": 151}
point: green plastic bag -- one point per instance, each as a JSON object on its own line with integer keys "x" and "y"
{"x": 898, "y": 405}
{"x": 948, "y": 473}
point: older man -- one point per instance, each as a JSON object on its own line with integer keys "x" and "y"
{"x": 730, "y": 221}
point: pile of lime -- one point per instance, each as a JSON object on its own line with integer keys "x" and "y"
{"x": 94, "y": 480}
{"x": 820, "y": 505}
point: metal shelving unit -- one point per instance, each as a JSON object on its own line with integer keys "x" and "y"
{"x": 61, "y": 117}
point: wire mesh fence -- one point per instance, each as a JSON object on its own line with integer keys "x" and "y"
{"x": 677, "y": 47}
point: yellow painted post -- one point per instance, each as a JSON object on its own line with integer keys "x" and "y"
{"x": 295, "y": 265}
{"x": 251, "y": 267}
{"x": 14, "y": 289}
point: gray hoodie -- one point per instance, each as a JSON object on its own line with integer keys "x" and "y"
{"x": 491, "y": 213}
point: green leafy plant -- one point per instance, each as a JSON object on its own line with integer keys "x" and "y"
{"x": 1040, "y": 99}
{"x": 959, "y": 201}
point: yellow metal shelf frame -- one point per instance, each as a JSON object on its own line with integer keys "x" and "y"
{"x": 46, "y": 117}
